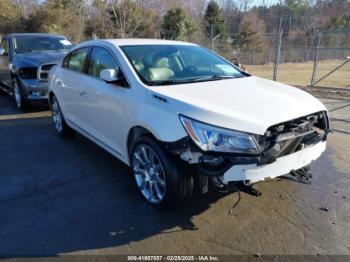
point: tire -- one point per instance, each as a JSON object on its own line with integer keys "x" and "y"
{"x": 18, "y": 95}
{"x": 58, "y": 119}
{"x": 160, "y": 181}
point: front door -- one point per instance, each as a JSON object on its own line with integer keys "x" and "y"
{"x": 103, "y": 111}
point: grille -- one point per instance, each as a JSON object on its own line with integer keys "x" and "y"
{"x": 298, "y": 127}
{"x": 291, "y": 136}
{"x": 43, "y": 71}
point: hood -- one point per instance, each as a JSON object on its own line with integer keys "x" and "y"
{"x": 249, "y": 104}
{"x": 34, "y": 59}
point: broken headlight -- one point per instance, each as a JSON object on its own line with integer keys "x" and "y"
{"x": 212, "y": 138}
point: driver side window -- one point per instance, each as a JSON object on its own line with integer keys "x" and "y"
{"x": 101, "y": 59}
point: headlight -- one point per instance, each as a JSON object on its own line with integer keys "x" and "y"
{"x": 212, "y": 138}
{"x": 28, "y": 72}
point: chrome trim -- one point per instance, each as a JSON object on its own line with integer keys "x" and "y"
{"x": 89, "y": 56}
{"x": 41, "y": 71}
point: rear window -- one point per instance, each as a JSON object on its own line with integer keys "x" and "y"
{"x": 77, "y": 59}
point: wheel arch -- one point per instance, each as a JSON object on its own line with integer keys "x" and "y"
{"x": 134, "y": 133}
{"x": 50, "y": 96}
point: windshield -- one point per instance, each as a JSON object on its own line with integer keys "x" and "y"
{"x": 178, "y": 64}
{"x": 23, "y": 44}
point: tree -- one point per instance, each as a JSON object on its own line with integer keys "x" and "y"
{"x": 338, "y": 22}
{"x": 177, "y": 24}
{"x": 26, "y": 6}
{"x": 98, "y": 24}
{"x": 338, "y": 33}
{"x": 65, "y": 17}
{"x": 214, "y": 21}
{"x": 131, "y": 20}
{"x": 232, "y": 15}
{"x": 10, "y": 17}
{"x": 247, "y": 37}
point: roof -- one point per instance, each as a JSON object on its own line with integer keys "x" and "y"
{"x": 34, "y": 34}
{"x": 139, "y": 41}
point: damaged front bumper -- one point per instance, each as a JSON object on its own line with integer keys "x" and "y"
{"x": 281, "y": 166}
{"x": 286, "y": 146}
{"x": 34, "y": 89}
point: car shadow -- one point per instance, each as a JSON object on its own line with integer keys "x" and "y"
{"x": 67, "y": 195}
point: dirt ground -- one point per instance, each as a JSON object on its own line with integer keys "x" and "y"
{"x": 68, "y": 196}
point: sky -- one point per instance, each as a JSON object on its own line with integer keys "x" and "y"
{"x": 268, "y": 2}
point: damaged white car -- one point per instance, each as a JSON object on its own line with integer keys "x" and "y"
{"x": 177, "y": 113}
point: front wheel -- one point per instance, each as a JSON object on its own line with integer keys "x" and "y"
{"x": 162, "y": 183}
{"x": 19, "y": 97}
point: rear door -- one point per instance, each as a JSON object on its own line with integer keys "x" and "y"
{"x": 71, "y": 83}
{"x": 5, "y": 73}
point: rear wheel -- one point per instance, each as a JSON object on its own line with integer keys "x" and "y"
{"x": 18, "y": 94}
{"x": 162, "y": 183}
{"x": 58, "y": 120}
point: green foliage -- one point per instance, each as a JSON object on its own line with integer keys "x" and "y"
{"x": 214, "y": 18}
{"x": 177, "y": 24}
{"x": 250, "y": 28}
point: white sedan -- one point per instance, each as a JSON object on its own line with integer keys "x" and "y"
{"x": 177, "y": 113}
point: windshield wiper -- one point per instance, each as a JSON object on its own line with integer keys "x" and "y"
{"x": 211, "y": 78}
{"x": 166, "y": 82}
{"x": 190, "y": 80}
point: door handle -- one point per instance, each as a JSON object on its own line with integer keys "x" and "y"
{"x": 84, "y": 94}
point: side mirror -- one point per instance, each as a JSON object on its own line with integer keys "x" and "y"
{"x": 109, "y": 75}
{"x": 2, "y": 51}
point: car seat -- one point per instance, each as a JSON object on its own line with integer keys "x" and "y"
{"x": 156, "y": 68}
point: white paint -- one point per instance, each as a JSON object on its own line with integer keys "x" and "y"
{"x": 281, "y": 166}
{"x": 106, "y": 113}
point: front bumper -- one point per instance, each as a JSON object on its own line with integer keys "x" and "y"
{"x": 282, "y": 166}
{"x": 34, "y": 89}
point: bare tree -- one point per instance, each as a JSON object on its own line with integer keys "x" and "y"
{"x": 27, "y": 6}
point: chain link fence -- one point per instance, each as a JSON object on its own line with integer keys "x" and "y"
{"x": 296, "y": 64}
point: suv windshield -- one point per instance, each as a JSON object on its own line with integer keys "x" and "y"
{"x": 23, "y": 44}
{"x": 178, "y": 64}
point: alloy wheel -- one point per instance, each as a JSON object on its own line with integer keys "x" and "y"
{"x": 149, "y": 173}
{"x": 17, "y": 94}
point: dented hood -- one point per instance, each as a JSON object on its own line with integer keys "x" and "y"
{"x": 249, "y": 104}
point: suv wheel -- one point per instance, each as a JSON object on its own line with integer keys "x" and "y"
{"x": 160, "y": 181}
{"x": 58, "y": 120}
{"x": 20, "y": 101}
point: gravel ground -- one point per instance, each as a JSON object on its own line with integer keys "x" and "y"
{"x": 71, "y": 197}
